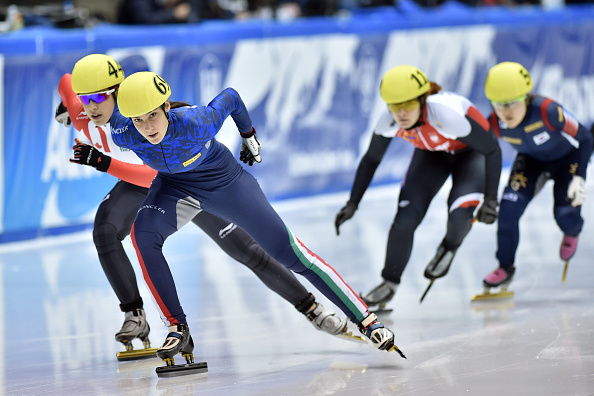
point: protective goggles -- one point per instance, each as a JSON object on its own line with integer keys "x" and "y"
{"x": 509, "y": 104}
{"x": 407, "y": 106}
{"x": 96, "y": 97}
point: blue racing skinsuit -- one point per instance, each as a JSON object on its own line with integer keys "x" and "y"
{"x": 550, "y": 143}
{"x": 197, "y": 172}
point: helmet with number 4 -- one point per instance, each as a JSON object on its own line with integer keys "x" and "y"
{"x": 96, "y": 72}
{"x": 141, "y": 93}
{"x": 403, "y": 83}
{"x": 507, "y": 81}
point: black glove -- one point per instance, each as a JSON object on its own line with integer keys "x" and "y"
{"x": 85, "y": 154}
{"x": 344, "y": 214}
{"x": 487, "y": 213}
{"x": 250, "y": 148}
{"x": 62, "y": 115}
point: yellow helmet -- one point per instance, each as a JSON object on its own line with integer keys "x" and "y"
{"x": 507, "y": 81}
{"x": 95, "y": 73}
{"x": 403, "y": 83}
{"x": 141, "y": 93}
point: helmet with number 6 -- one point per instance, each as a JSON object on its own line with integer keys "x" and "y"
{"x": 507, "y": 81}
{"x": 96, "y": 72}
{"x": 403, "y": 83}
{"x": 141, "y": 93}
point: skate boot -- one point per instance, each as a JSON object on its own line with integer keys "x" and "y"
{"x": 381, "y": 337}
{"x": 380, "y": 296}
{"x": 438, "y": 266}
{"x": 330, "y": 323}
{"x": 501, "y": 277}
{"x": 179, "y": 340}
{"x": 440, "y": 263}
{"x": 567, "y": 250}
{"x": 568, "y": 247}
{"x": 135, "y": 326}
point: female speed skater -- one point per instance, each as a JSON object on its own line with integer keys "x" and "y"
{"x": 88, "y": 101}
{"x": 550, "y": 144}
{"x": 197, "y": 172}
{"x": 451, "y": 138}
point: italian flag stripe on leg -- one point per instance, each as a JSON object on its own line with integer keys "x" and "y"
{"x": 330, "y": 277}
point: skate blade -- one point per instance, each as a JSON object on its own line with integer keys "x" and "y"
{"x": 426, "y": 290}
{"x": 395, "y": 348}
{"x": 136, "y": 354}
{"x": 182, "y": 369}
{"x": 565, "y": 271}
{"x": 486, "y": 296}
{"x": 349, "y": 336}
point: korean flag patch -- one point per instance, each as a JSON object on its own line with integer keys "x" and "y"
{"x": 541, "y": 138}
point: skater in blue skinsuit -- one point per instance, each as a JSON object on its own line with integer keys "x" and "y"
{"x": 197, "y": 172}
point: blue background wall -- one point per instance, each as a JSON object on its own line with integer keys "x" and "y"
{"x": 310, "y": 85}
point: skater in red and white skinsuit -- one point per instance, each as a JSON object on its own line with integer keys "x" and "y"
{"x": 99, "y": 76}
{"x": 451, "y": 138}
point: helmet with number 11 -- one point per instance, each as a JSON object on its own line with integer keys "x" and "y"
{"x": 403, "y": 83}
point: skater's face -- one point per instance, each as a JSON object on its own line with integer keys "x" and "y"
{"x": 406, "y": 114}
{"x": 99, "y": 105}
{"x": 511, "y": 113}
{"x": 153, "y": 125}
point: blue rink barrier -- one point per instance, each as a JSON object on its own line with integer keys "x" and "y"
{"x": 311, "y": 86}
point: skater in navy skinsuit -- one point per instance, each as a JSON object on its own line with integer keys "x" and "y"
{"x": 197, "y": 172}
{"x": 550, "y": 144}
{"x": 88, "y": 100}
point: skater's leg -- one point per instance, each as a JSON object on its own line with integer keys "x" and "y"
{"x": 425, "y": 176}
{"x": 521, "y": 188}
{"x": 242, "y": 247}
{"x": 468, "y": 183}
{"x": 160, "y": 215}
{"x": 568, "y": 218}
{"x": 113, "y": 223}
{"x": 243, "y": 202}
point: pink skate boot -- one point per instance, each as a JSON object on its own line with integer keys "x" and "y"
{"x": 500, "y": 277}
{"x": 568, "y": 247}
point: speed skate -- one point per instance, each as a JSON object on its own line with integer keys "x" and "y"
{"x": 179, "y": 341}
{"x": 133, "y": 354}
{"x": 487, "y": 294}
{"x": 501, "y": 277}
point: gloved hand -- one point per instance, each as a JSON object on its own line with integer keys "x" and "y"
{"x": 344, "y": 214}
{"x": 250, "y": 148}
{"x": 62, "y": 115}
{"x": 85, "y": 154}
{"x": 487, "y": 213}
{"x": 576, "y": 192}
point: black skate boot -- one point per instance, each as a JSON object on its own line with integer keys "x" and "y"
{"x": 440, "y": 263}
{"x": 381, "y": 337}
{"x": 501, "y": 277}
{"x": 179, "y": 340}
{"x": 380, "y": 296}
{"x": 135, "y": 326}
{"x": 438, "y": 266}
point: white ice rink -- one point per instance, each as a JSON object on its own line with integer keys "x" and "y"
{"x": 60, "y": 315}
